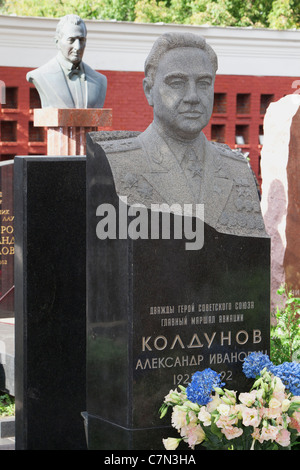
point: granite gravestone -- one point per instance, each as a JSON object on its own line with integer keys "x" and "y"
{"x": 7, "y": 350}
{"x": 50, "y": 313}
{"x": 169, "y": 292}
{"x": 7, "y": 240}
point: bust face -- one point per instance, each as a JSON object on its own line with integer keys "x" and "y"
{"x": 183, "y": 92}
{"x": 72, "y": 42}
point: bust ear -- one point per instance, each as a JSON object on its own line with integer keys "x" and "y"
{"x": 148, "y": 90}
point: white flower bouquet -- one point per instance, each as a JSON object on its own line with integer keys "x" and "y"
{"x": 265, "y": 418}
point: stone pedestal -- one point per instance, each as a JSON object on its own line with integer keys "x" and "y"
{"x": 157, "y": 312}
{"x": 280, "y": 169}
{"x": 67, "y": 128}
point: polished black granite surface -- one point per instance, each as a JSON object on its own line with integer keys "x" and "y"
{"x": 7, "y": 248}
{"x": 50, "y": 316}
{"x": 157, "y": 313}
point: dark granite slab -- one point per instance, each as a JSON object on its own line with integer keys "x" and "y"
{"x": 7, "y": 239}
{"x": 7, "y": 313}
{"x": 50, "y": 316}
{"x": 157, "y": 313}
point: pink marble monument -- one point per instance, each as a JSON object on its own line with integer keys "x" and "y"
{"x": 280, "y": 169}
{"x": 67, "y": 128}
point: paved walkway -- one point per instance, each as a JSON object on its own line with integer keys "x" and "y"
{"x": 7, "y": 444}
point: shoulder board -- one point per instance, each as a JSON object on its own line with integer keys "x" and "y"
{"x": 119, "y": 145}
{"x": 236, "y": 154}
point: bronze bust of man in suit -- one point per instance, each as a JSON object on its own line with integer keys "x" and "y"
{"x": 172, "y": 162}
{"x": 66, "y": 81}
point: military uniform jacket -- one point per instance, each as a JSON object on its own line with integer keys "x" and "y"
{"x": 147, "y": 171}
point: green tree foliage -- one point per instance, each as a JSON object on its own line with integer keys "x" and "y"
{"x": 7, "y": 405}
{"x": 285, "y": 335}
{"x": 122, "y": 10}
{"x": 277, "y": 14}
{"x": 285, "y": 14}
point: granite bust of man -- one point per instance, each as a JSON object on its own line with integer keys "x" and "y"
{"x": 172, "y": 162}
{"x": 66, "y": 81}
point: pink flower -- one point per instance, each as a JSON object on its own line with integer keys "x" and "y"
{"x": 226, "y": 421}
{"x": 224, "y": 409}
{"x": 295, "y": 421}
{"x": 231, "y": 432}
{"x": 268, "y": 434}
{"x": 178, "y": 418}
{"x": 192, "y": 434}
{"x": 251, "y": 417}
{"x": 279, "y": 395}
{"x": 279, "y": 390}
{"x": 280, "y": 422}
{"x": 256, "y": 434}
{"x": 285, "y": 404}
{"x": 213, "y": 405}
{"x": 274, "y": 403}
{"x": 283, "y": 438}
{"x": 247, "y": 398}
{"x": 204, "y": 416}
{"x": 272, "y": 413}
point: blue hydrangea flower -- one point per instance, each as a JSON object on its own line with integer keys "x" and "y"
{"x": 201, "y": 386}
{"x": 289, "y": 373}
{"x": 255, "y": 363}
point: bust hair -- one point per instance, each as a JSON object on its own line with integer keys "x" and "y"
{"x": 170, "y": 41}
{"x": 73, "y": 19}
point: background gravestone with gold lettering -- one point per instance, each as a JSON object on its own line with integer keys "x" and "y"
{"x": 7, "y": 240}
{"x": 7, "y": 305}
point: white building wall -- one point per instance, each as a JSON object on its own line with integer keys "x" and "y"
{"x": 122, "y": 46}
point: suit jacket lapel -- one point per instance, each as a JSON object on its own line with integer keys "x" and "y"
{"x": 165, "y": 174}
{"x": 67, "y": 101}
{"x": 91, "y": 87}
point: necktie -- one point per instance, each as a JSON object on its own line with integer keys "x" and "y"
{"x": 77, "y": 72}
{"x": 73, "y": 72}
{"x": 76, "y": 77}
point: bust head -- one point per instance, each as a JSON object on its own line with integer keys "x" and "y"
{"x": 179, "y": 83}
{"x": 70, "y": 38}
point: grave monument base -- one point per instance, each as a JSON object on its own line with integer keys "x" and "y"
{"x": 157, "y": 313}
{"x": 104, "y": 435}
{"x": 67, "y": 128}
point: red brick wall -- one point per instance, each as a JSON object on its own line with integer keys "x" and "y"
{"x": 125, "y": 95}
{"x": 257, "y": 87}
{"x": 22, "y": 115}
{"x": 131, "y": 111}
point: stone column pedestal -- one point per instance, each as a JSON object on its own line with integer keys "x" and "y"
{"x": 280, "y": 170}
{"x": 67, "y": 128}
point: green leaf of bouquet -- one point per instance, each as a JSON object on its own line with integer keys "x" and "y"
{"x": 294, "y": 406}
{"x": 163, "y": 410}
{"x": 215, "y": 430}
